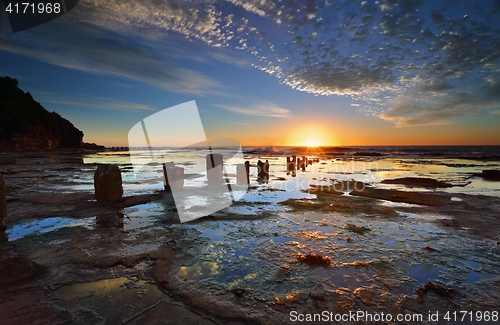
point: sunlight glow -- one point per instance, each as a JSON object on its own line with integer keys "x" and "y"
{"x": 310, "y": 133}
{"x": 312, "y": 143}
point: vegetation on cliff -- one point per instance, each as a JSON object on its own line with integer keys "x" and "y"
{"x": 25, "y": 124}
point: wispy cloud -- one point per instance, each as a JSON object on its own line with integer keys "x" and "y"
{"x": 93, "y": 102}
{"x": 99, "y": 53}
{"x": 263, "y": 109}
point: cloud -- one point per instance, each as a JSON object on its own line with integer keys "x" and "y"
{"x": 93, "y": 102}
{"x": 98, "y": 53}
{"x": 197, "y": 20}
{"x": 442, "y": 108}
{"x": 263, "y": 109}
{"x": 411, "y": 62}
{"x": 405, "y": 63}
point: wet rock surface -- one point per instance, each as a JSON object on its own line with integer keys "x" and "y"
{"x": 133, "y": 262}
{"x": 490, "y": 175}
{"x": 405, "y": 196}
{"x": 17, "y": 270}
{"x": 417, "y": 182}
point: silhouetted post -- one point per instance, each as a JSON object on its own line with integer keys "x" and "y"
{"x": 108, "y": 183}
{"x": 263, "y": 171}
{"x": 306, "y": 160}
{"x": 247, "y": 168}
{"x": 3, "y": 203}
{"x": 260, "y": 169}
{"x": 241, "y": 174}
{"x": 290, "y": 165}
{"x": 263, "y": 168}
{"x": 215, "y": 168}
{"x": 173, "y": 177}
{"x": 302, "y": 164}
{"x": 165, "y": 178}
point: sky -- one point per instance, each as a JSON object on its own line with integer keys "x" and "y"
{"x": 269, "y": 72}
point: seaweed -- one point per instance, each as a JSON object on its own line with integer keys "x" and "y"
{"x": 314, "y": 260}
{"x": 437, "y": 289}
{"x": 359, "y": 264}
{"x": 357, "y": 229}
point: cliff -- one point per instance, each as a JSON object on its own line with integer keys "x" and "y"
{"x": 25, "y": 124}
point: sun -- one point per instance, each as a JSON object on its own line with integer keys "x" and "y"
{"x": 312, "y": 143}
{"x": 311, "y": 135}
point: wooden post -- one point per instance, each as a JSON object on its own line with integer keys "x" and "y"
{"x": 215, "y": 169}
{"x": 260, "y": 169}
{"x": 263, "y": 171}
{"x": 247, "y": 168}
{"x": 108, "y": 183}
{"x": 173, "y": 177}
{"x": 291, "y": 165}
{"x": 241, "y": 174}
{"x": 301, "y": 163}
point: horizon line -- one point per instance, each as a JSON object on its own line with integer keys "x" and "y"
{"x": 327, "y": 146}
